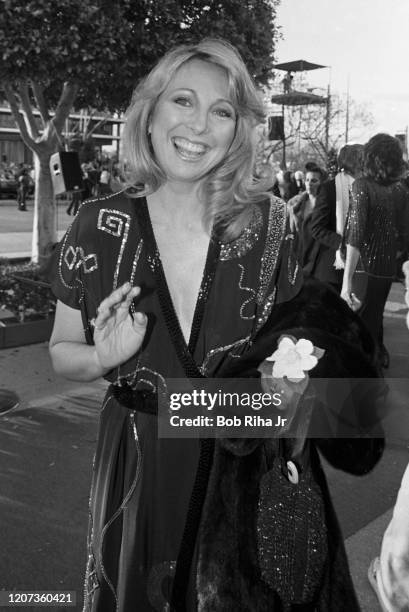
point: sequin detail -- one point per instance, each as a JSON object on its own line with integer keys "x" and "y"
{"x": 204, "y": 368}
{"x": 249, "y": 299}
{"x": 376, "y": 225}
{"x": 157, "y": 575}
{"x": 247, "y": 239}
{"x": 267, "y": 308}
{"x": 74, "y": 258}
{"x": 134, "y": 266}
{"x": 115, "y": 223}
{"x": 291, "y": 536}
{"x": 91, "y": 582}
{"x": 274, "y": 238}
{"x": 293, "y": 265}
{"x": 104, "y": 530}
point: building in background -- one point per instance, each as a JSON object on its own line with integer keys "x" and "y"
{"x": 106, "y": 138}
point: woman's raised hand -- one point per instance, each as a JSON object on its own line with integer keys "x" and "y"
{"x": 118, "y": 336}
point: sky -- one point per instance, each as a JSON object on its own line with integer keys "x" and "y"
{"x": 365, "y": 41}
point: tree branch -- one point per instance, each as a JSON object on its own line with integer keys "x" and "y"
{"x": 64, "y": 105}
{"x": 18, "y": 118}
{"x": 27, "y": 109}
{"x": 40, "y": 101}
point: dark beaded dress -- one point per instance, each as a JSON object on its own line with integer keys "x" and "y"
{"x": 142, "y": 485}
{"x": 377, "y": 225}
{"x": 147, "y": 492}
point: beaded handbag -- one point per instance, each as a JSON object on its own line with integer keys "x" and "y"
{"x": 291, "y": 530}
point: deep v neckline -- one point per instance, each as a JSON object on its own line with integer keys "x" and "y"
{"x": 185, "y": 349}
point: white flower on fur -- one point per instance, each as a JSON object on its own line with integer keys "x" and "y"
{"x": 292, "y": 359}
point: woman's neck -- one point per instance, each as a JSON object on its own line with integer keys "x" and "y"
{"x": 176, "y": 205}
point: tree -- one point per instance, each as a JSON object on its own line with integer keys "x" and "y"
{"x": 91, "y": 53}
{"x": 305, "y": 129}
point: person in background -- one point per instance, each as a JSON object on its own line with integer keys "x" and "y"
{"x": 22, "y": 189}
{"x": 81, "y": 194}
{"x": 299, "y": 180}
{"x": 285, "y": 186}
{"x": 287, "y": 82}
{"x": 377, "y": 229}
{"x": 300, "y": 209}
{"x": 104, "y": 187}
{"x": 311, "y": 165}
{"x": 329, "y": 216}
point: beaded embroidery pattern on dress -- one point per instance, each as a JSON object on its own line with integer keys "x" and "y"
{"x": 275, "y": 235}
{"x": 118, "y": 512}
{"x": 249, "y": 299}
{"x": 134, "y": 266}
{"x": 372, "y": 201}
{"x": 91, "y": 582}
{"x": 117, "y": 224}
{"x": 75, "y": 257}
{"x": 247, "y": 239}
{"x": 291, "y": 268}
{"x": 60, "y": 268}
{"x": 204, "y": 368}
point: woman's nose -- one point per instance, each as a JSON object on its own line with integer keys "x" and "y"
{"x": 199, "y": 121}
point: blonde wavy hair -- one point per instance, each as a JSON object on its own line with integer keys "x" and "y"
{"x": 229, "y": 189}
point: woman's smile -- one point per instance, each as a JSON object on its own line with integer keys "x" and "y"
{"x": 189, "y": 150}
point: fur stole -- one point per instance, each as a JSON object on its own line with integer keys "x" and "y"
{"x": 229, "y": 576}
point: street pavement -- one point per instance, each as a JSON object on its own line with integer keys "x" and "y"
{"x": 47, "y": 444}
{"x": 16, "y": 227}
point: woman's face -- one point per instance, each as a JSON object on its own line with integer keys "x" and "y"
{"x": 312, "y": 182}
{"x": 194, "y": 121}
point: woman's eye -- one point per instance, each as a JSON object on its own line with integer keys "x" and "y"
{"x": 224, "y": 113}
{"x": 182, "y": 101}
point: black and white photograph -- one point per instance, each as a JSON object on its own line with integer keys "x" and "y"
{"x": 204, "y": 306}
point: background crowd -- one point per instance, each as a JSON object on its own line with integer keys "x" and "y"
{"x": 351, "y": 227}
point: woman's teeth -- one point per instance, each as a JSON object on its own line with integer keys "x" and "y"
{"x": 189, "y": 149}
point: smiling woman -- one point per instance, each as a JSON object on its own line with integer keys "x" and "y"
{"x": 227, "y": 111}
{"x": 175, "y": 278}
{"x": 193, "y": 124}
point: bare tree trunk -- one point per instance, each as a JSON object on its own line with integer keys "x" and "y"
{"x": 43, "y": 145}
{"x": 44, "y": 223}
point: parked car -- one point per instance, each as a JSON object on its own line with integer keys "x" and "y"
{"x": 8, "y": 185}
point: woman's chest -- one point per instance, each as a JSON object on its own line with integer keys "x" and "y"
{"x": 183, "y": 259}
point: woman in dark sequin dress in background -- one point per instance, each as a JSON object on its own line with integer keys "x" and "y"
{"x": 377, "y": 229}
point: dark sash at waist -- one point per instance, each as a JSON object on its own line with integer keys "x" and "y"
{"x": 142, "y": 401}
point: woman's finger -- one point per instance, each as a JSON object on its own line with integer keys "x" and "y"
{"x": 110, "y": 307}
{"x": 116, "y": 297}
{"x": 128, "y": 299}
{"x": 121, "y": 297}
